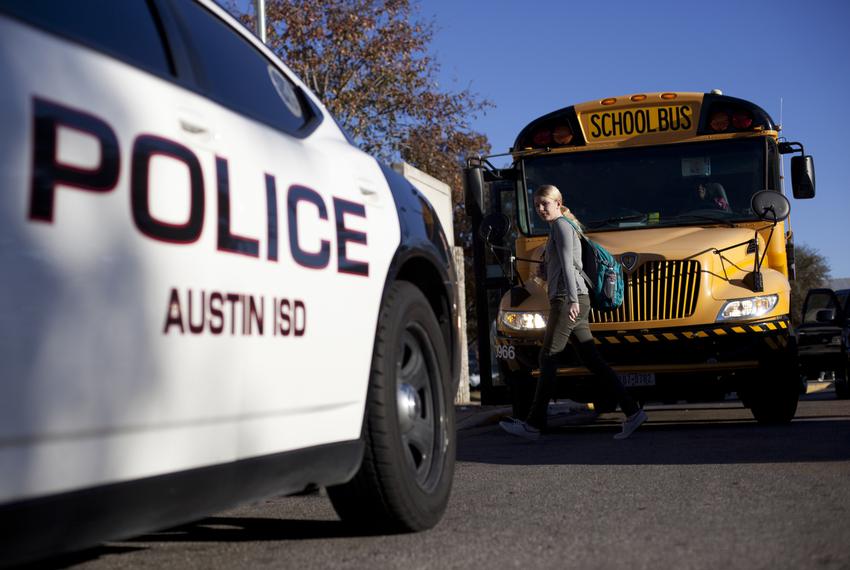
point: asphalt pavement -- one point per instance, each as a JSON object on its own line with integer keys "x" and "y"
{"x": 473, "y": 414}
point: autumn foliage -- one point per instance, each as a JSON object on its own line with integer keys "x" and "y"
{"x": 368, "y": 61}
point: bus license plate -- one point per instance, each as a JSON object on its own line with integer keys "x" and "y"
{"x": 634, "y": 379}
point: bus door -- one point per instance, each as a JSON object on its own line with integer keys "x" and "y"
{"x": 490, "y": 192}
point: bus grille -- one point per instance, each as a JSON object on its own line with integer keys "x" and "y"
{"x": 658, "y": 290}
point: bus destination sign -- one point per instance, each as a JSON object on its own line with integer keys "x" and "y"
{"x": 620, "y": 124}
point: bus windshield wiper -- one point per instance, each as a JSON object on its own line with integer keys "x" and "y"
{"x": 614, "y": 220}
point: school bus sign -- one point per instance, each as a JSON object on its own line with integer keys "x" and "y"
{"x": 617, "y": 124}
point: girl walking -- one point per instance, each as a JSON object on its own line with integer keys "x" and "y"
{"x": 569, "y": 310}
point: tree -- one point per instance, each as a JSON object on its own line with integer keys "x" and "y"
{"x": 367, "y": 61}
{"x": 442, "y": 155}
{"x": 812, "y": 272}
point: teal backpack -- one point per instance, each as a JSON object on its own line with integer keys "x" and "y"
{"x": 602, "y": 273}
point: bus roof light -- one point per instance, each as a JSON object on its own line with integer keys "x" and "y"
{"x": 719, "y": 121}
{"x": 609, "y": 101}
{"x": 562, "y": 134}
{"x": 742, "y": 120}
{"x": 543, "y": 137}
{"x": 637, "y": 98}
{"x": 668, "y": 96}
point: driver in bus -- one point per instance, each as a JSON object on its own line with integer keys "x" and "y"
{"x": 712, "y": 196}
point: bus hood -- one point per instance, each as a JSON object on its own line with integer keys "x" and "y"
{"x": 729, "y": 269}
{"x": 693, "y": 242}
{"x": 700, "y": 244}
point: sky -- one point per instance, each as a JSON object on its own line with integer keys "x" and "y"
{"x": 535, "y": 56}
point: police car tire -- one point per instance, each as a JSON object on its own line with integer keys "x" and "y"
{"x": 391, "y": 492}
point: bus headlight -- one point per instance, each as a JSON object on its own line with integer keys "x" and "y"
{"x": 523, "y": 320}
{"x": 747, "y": 308}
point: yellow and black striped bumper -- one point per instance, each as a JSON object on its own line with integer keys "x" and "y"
{"x": 775, "y": 334}
{"x": 709, "y": 348}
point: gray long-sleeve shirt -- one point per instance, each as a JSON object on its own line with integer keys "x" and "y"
{"x": 563, "y": 262}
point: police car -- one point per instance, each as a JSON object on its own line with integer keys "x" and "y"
{"x": 208, "y": 294}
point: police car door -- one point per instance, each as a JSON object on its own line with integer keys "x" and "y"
{"x": 101, "y": 216}
{"x": 305, "y": 229}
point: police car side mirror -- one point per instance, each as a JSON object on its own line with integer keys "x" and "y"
{"x": 803, "y": 176}
{"x": 770, "y": 205}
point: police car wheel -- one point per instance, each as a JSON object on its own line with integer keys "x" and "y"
{"x": 405, "y": 478}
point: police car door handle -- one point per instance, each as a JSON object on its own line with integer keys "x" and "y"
{"x": 370, "y": 195}
{"x": 192, "y": 127}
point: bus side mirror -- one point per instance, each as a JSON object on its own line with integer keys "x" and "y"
{"x": 474, "y": 188}
{"x": 803, "y": 176}
{"x": 494, "y": 228}
{"x": 770, "y": 205}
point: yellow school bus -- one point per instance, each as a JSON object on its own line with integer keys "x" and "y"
{"x": 686, "y": 190}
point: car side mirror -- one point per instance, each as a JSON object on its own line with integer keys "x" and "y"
{"x": 825, "y": 315}
{"x": 803, "y": 176}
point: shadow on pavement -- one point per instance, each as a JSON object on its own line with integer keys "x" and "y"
{"x": 213, "y": 529}
{"x": 246, "y": 529}
{"x": 68, "y": 560}
{"x": 677, "y": 441}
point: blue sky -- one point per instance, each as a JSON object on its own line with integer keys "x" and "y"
{"x": 531, "y": 57}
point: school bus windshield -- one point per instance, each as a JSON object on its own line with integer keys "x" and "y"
{"x": 675, "y": 185}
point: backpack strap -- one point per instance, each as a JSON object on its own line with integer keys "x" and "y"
{"x": 581, "y": 236}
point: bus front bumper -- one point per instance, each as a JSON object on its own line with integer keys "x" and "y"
{"x": 708, "y": 349}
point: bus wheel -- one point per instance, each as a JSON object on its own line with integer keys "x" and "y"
{"x": 522, "y": 386}
{"x": 773, "y": 394}
{"x": 406, "y": 475}
{"x": 842, "y": 382}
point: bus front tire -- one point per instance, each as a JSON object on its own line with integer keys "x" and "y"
{"x": 405, "y": 478}
{"x": 773, "y": 393}
{"x": 842, "y": 382}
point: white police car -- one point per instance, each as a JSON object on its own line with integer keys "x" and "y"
{"x": 208, "y": 294}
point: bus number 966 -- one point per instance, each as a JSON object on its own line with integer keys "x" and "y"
{"x": 506, "y": 352}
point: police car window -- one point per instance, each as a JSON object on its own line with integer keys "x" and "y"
{"x": 236, "y": 74}
{"x": 127, "y": 30}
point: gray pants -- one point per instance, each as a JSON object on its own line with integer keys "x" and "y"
{"x": 559, "y": 331}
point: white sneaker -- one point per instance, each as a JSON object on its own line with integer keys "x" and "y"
{"x": 631, "y": 424}
{"x": 520, "y": 429}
